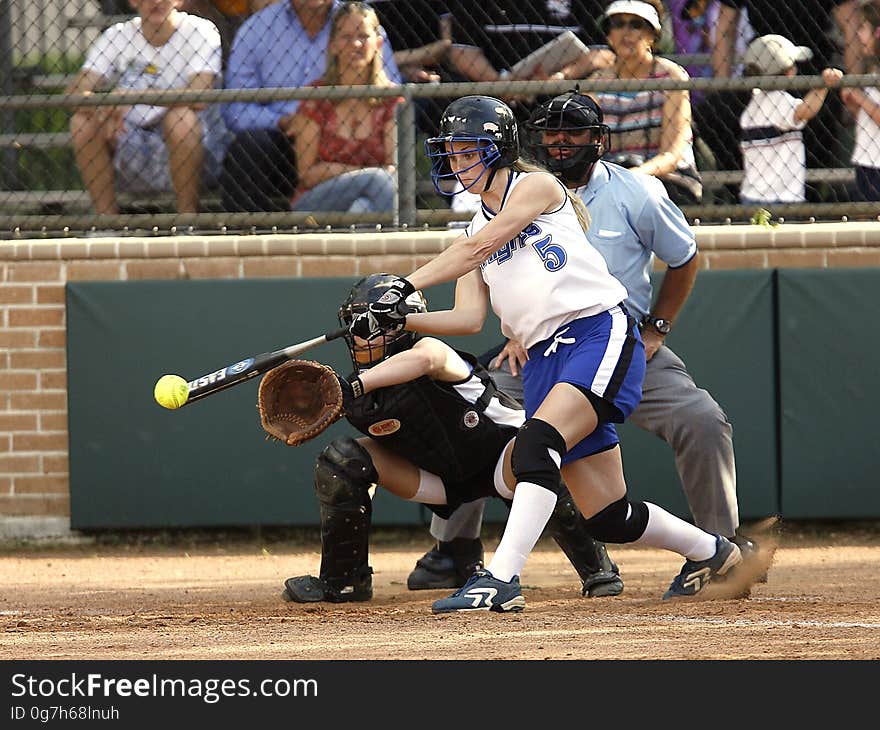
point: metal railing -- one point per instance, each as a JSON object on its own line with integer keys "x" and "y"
{"x": 406, "y": 214}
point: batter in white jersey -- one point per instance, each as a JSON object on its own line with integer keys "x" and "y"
{"x": 526, "y": 252}
{"x": 566, "y": 277}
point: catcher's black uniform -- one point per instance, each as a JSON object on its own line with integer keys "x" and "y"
{"x": 455, "y": 430}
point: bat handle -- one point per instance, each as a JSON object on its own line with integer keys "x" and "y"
{"x": 288, "y": 353}
{"x": 336, "y": 334}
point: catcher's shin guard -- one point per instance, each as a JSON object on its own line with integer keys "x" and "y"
{"x": 589, "y": 557}
{"x": 343, "y": 475}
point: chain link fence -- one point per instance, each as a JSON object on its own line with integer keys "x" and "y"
{"x": 126, "y": 115}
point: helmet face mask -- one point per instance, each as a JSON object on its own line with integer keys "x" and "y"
{"x": 473, "y": 124}
{"x": 552, "y": 132}
{"x": 366, "y": 353}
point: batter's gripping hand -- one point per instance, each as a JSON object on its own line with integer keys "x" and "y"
{"x": 388, "y": 309}
{"x": 365, "y": 326}
{"x": 299, "y": 400}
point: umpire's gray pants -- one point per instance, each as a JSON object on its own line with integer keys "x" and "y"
{"x": 684, "y": 416}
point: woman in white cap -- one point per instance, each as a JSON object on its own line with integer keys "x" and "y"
{"x": 652, "y": 128}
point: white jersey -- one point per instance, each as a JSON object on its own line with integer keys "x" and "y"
{"x": 866, "y": 150}
{"x": 127, "y": 60}
{"x": 548, "y": 275}
{"x": 774, "y": 160}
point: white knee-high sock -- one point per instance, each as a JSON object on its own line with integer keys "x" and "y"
{"x": 667, "y": 531}
{"x": 531, "y": 509}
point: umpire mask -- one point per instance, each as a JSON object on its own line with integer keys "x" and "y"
{"x": 567, "y": 136}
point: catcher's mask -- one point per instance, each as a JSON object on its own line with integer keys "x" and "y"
{"x": 366, "y": 353}
{"x": 568, "y": 136}
{"x": 481, "y": 125}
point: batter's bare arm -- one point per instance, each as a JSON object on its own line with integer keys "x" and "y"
{"x": 535, "y": 195}
{"x": 467, "y": 315}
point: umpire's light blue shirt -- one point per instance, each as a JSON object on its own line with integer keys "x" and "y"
{"x": 631, "y": 220}
{"x": 273, "y": 50}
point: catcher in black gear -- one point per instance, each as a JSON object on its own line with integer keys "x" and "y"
{"x": 435, "y": 431}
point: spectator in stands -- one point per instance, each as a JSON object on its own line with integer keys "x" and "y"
{"x": 143, "y": 148}
{"x": 694, "y": 25}
{"x": 865, "y": 106}
{"x": 828, "y": 29}
{"x": 415, "y": 30}
{"x": 346, "y": 148}
{"x": 227, "y": 15}
{"x": 651, "y": 129}
{"x": 693, "y": 32}
{"x": 420, "y": 35}
{"x": 492, "y": 36}
{"x": 772, "y": 143}
{"x": 283, "y": 45}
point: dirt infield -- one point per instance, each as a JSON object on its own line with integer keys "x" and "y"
{"x": 220, "y": 599}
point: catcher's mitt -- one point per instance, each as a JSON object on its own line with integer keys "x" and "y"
{"x": 298, "y": 400}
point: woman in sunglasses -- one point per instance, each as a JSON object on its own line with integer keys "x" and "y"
{"x": 651, "y": 128}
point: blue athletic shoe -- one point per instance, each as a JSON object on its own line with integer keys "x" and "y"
{"x": 483, "y": 592}
{"x": 696, "y": 574}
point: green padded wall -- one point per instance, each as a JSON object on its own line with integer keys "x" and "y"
{"x": 135, "y": 464}
{"x": 828, "y": 362}
{"x": 725, "y": 335}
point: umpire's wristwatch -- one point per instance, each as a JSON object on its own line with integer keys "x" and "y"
{"x": 661, "y": 326}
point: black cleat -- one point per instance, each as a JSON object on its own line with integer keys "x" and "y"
{"x": 447, "y": 565}
{"x": 603, "y": 582}
{"x": 750, "y": 550}
{"x": 309, "y": 589}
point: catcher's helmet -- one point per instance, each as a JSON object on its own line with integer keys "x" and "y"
{"x": 362, "y": 294}
{"x": 485, "y": 122}
{"x": 562, "y": 116}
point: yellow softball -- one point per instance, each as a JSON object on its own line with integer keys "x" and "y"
{"x": 171, "y": 391}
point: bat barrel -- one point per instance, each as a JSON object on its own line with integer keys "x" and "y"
{"x": 250, "y": 367}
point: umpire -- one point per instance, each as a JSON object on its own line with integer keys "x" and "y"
{"x": 632, "y": 220}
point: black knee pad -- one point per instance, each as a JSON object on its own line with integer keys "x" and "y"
{"x": 612, "y": 524}
{"x": 531, "y": 460}
{"x": 344, "y": 472}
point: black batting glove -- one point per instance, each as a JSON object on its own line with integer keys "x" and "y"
{"x": 365, "y": 326}
{"x": 389, "y": 310}
{"x": 352, "y": 389}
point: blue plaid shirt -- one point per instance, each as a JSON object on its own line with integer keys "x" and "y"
{"x": 273, "y": 50}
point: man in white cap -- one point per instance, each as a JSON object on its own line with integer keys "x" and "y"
{"x": 774, "y": 159}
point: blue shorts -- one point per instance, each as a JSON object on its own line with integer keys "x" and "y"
{"x": 603, "y": 354}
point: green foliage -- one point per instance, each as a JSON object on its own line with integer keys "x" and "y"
{"x": 36, "y": 168}
{"x": 761, "y": 217}
{"x": 46, "y": 169}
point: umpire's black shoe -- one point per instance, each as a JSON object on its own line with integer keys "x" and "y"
{"x": 447, "y": 565}
{"x": 749, "y": 549}
{"x": 309, "y": 589}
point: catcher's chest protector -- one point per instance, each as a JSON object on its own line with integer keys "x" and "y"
{"x": 428, "y": 423}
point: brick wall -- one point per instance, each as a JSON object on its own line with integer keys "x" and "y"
{"x": 33, "y": 395}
